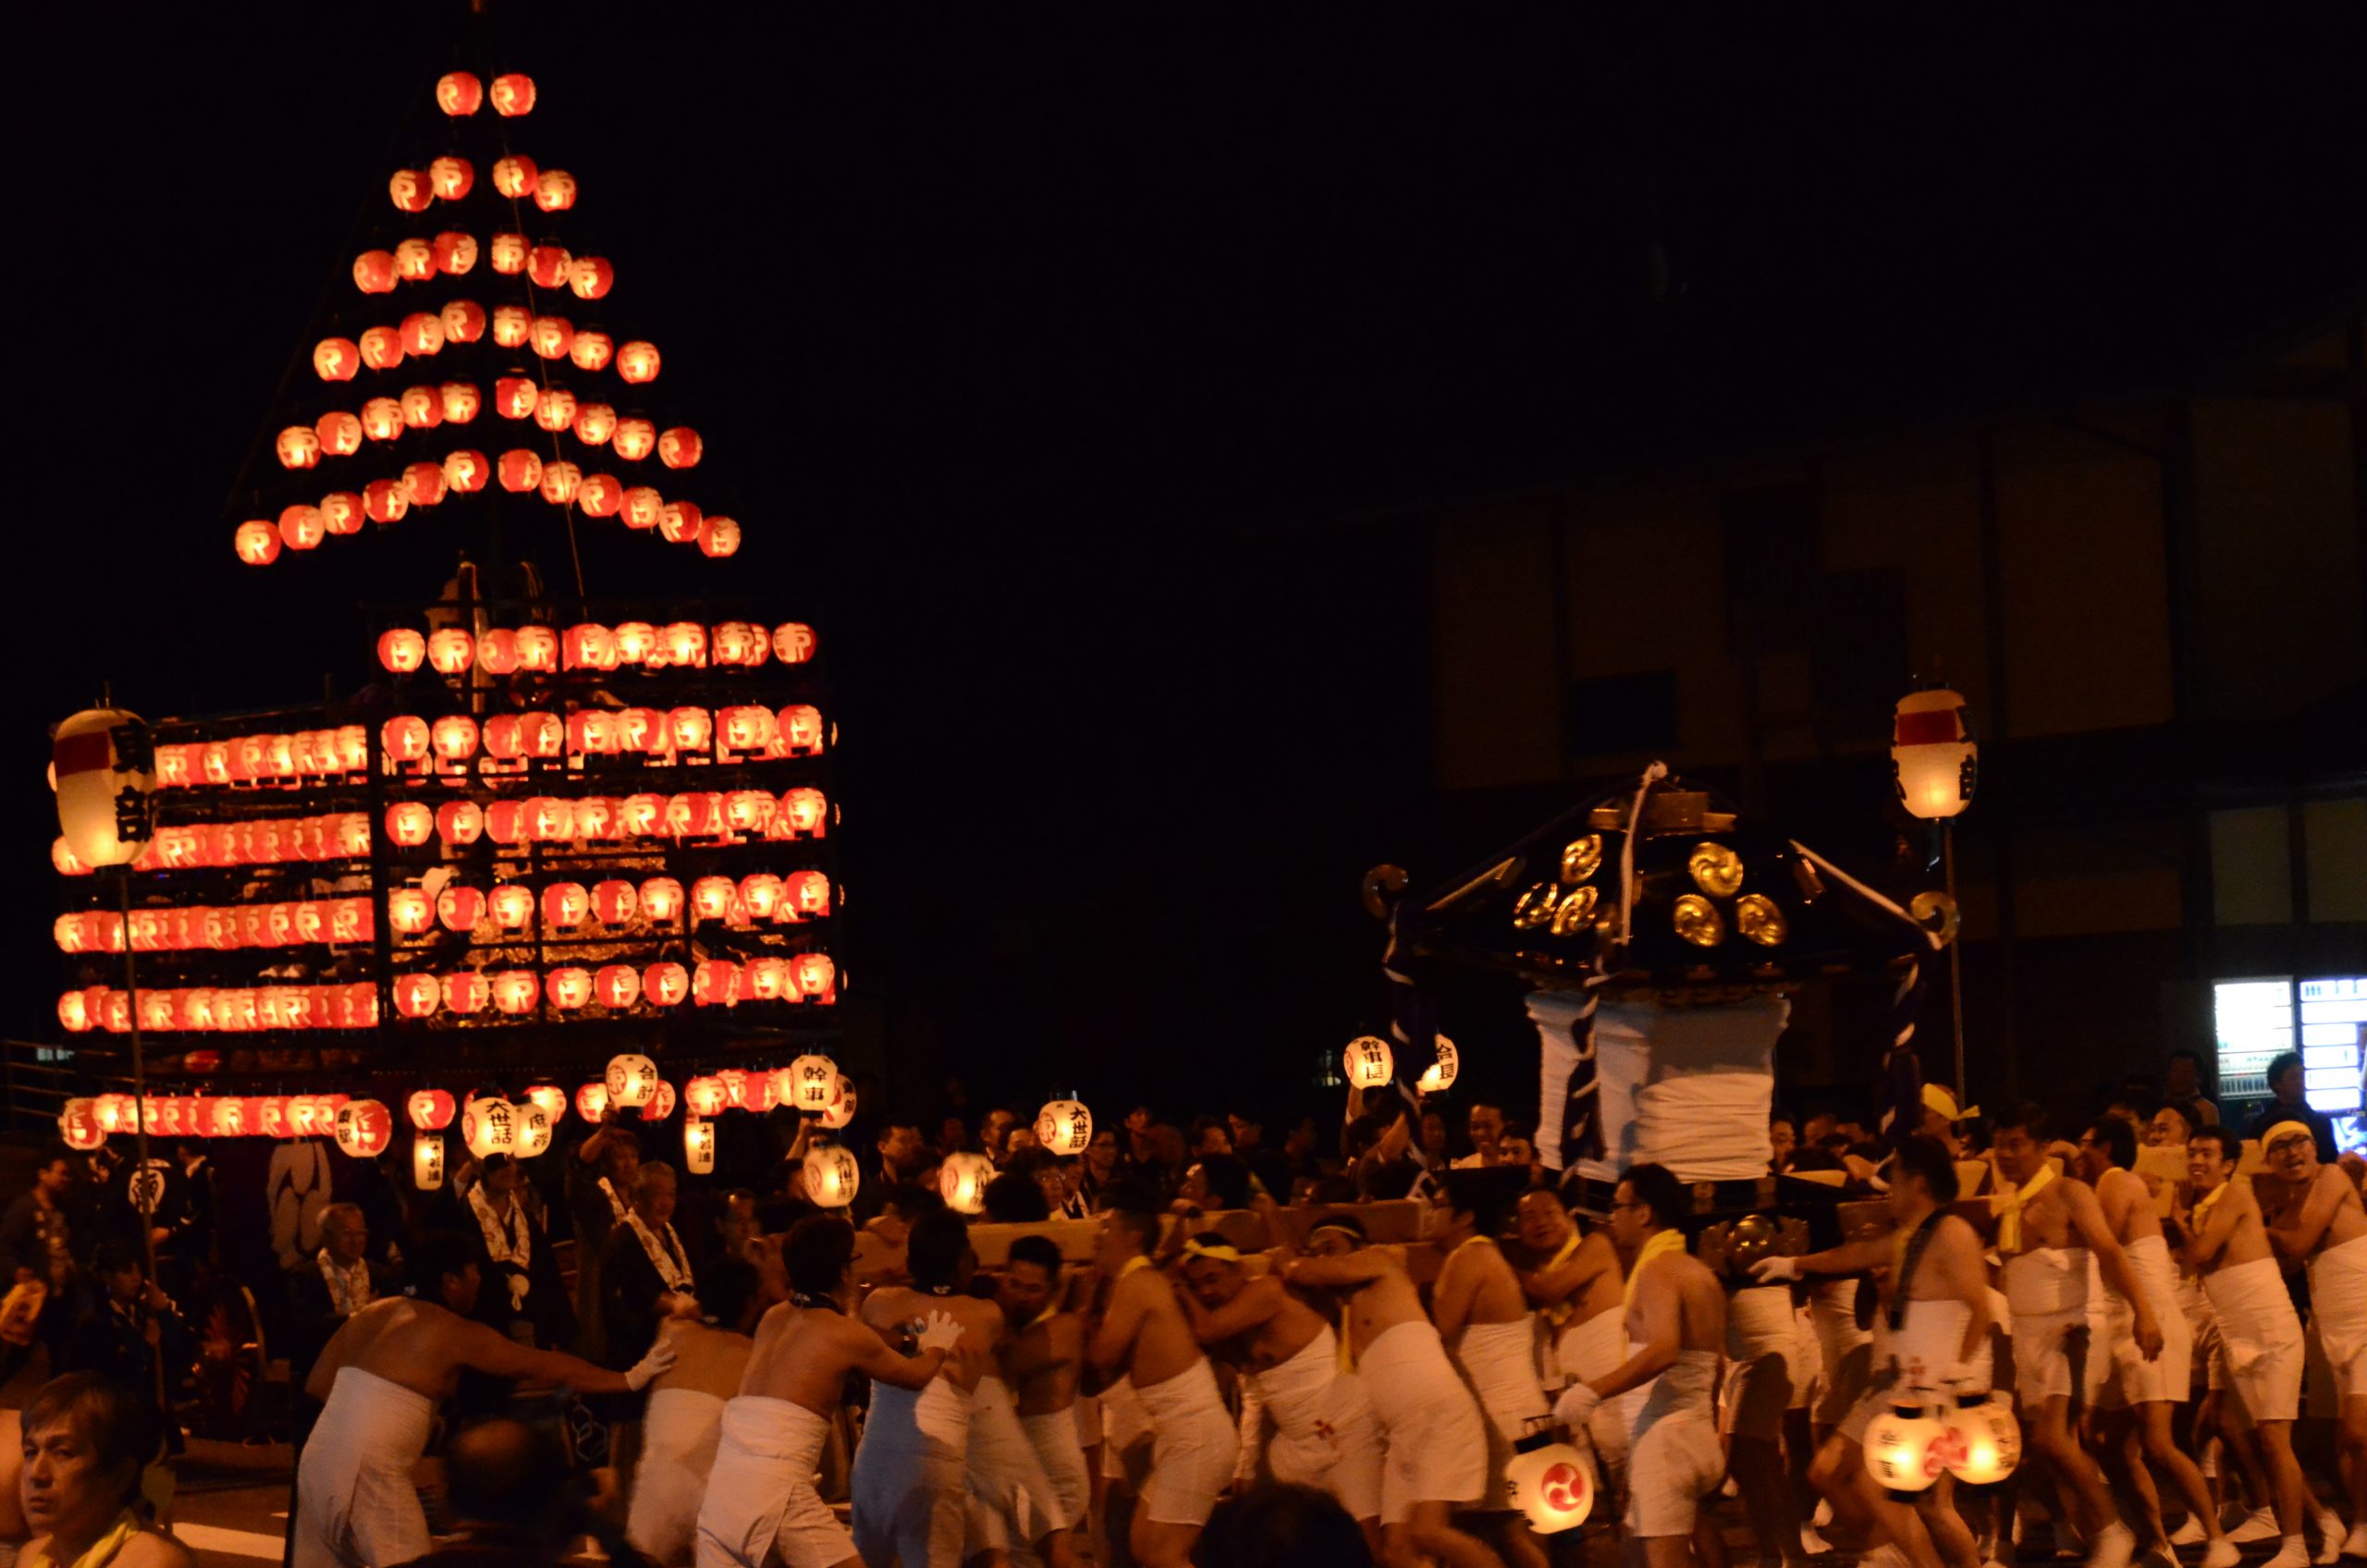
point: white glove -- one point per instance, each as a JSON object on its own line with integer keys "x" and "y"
{"x": 650, "y": 1367}
{"x": 1775, "y": 1270}
{"x": 1575, "y": 1405}
{"x": 940, "y": 1331}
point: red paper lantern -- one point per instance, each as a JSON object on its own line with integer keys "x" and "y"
{"x": 497, "y": 651}
{"x": 711, "y": 896}
{"x": 565, "y": 905}
{"x": 715, "y": 983}
{"x": 257, "y": 543}
{"x": 301, "y": 527}
{"x": 409, "y": 190}
{"x": 550, "y": 820}
{"x": 591, "y": 277}
{"x": 685, "y": 644}
{"x": 521, "y": 470}
{"x": 555, "y": 409}
{"x": 749, "y": 811}
{"x": 641, "y": 508}
{"x": 805, "y": 896}
{"x": 638, "y": 816}
{"x": 589, "y": 645}
{"x": 635, "y": 639}
{"x": 560, "y": 481}
{"x": 385, "y": 500}
{"x": 515, "y": 396}
{"x": 459, "y": 823}
{"x": 466, "y": 471}
{"x": 680, "y": 523}
{"x": 409, "y": 824}
{"x": 551, "y": 336}
{"x": 737, "y": 643}
{"x": 339, "y": 433}
{"x": 804, "y": 810}
{"x": 592, "y": 349}
{"x": 767, "y": 980}
{"x": 298, "y": 447}
{"x": 550, "y": 1099}
{"x": 374, "y": 271}
{"x": 555, "y": 191}
{"x": 538, "y": 650}
{"x": 660, "y": 1105}
{"x": 457, "y": 94}
{"x": 335, "y": 359}
{"x": 704, "y": 1096}
{"x": 793, "y": 643}
{"x": 591, "y": 1100}
{"x": 423, "y": 408}
{"x": 455, "y": 254}
{"x": 341, "y": 511}
{"x": 415, "y": 261}
{"x": 466, "y": 992}
{"x": 638, "y": 361}
{"x": 595, "y": 423}
{"x": 512, "y": 906}
{"x": 634, "y": 439}
{"x": 516, "y": 991}
{"x": 542, "y": 735}
{"x": 454, "y": 737}
{"x": 721, "y": 537}
{"x": 382, "y": 420}
{"x": 514, "y": 176}
{"x": 450, "y": 649}
{"x": 801, "y": 731}
{"x": 548, "y": 266}
{"x": 464, "y": 321}
{"x": 568, "y": 988}
{"x": 616, "y": 985}
{"x": 459, "y": 908}
{"x": 665, "y": 984}
{"x": 382, "y": 348}
{"x": 408, "y": 911}
{"x": 422, "y": 333}
{"x": 760, "y": 894}
{"x": 513, "y": 93}
{"x": 508, "y": 251}
{"x": 461, "y": 399}
{"x": 424, "y": 484}
{"x": 817, "y": 979}
{"x": 451, "y": 177}
{"x": 417, "y": 996}
{"x": 429, "y": 1110}
{"x": 680, "y": 447}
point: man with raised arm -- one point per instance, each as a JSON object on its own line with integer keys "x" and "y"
{"x": 1142, "y": 1334}
{"x": 1041, "y": 1358}
{"x": 2151, "y": 1389}
{"x": 909, "y": 1478}
{"x": 1485, "y": 1323}
{"x": 1577, "y": 1293}
{"x": 2323, "y": 1224}
{"x": 2048, "y": 1227}
{"x": 1434, "y": 1440}
{"x": 1930, "y": 1341}
{"x": 1290, "y": 1362}
{"x": 2219, "y": 1226}
{"x": 380, "y": 1379}
{"x": 760, "y": 1506}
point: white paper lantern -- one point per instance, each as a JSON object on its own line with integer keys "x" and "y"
{"x": 364, "y": 1128}
{"x": 534, "y": 1130}
{"x": 831, "y": 1176}
{"x": 698, "y": 1145}
{"x": 427, "y": 1161}
{"x": 85, "y": 771}
{"x": 632, "y": 1080}
{"x": 1934, "y": 760}
{"x": 1983, "y": 1443}
{"x": 840, "y": 1111}
{"x": 1368, "y": 1063}
{"x": 811, "y": 1082}
{"x": 962, "y": 1181}
{"x": 489, "y": 1127}
{"x": 1064, "y": 1127}
{"x": 1551, "y": 1486}
{"x": 1901, "y": 1450}
{"x": 1439, "y": 1075}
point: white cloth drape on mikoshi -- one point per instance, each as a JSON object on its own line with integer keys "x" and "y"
{"x": 1687, "y": 1087}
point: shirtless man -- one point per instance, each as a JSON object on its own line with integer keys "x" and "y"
{"x": 2047, "y": 1229}
{"x": 1484, "y": 1321}
{"x": 1576, "y": 1289}
{"x": 2150, "y": 1390}
{"x": 1289, "y": 1359}
{"x": 1676, "y": 1332}
{"x": 760, "y": 1507}
{"x": 2321, "y": 1224}
{"x": 1017, "y": 1512}
{"x": 380, "y": 1379}
{"x": 910, "y": 1485}
{"x": 684, "y": 1423}
{"x": 1434, "y": 1439}
{"x": 1931, "y": 1339}
{"x": 2218, "y": 1221}
{"x": 1041, "y": 1359}
{"x": 1142, "y": 1334}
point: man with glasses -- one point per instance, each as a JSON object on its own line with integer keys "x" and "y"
{"x": 2323, "y": 1225}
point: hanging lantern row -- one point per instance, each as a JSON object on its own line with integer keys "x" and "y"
{"x": 266, "y": 758}
{"x": 340, "y": 433}
{"x": 87, "y": 1123}
{"x": 451, "y": 177}
{"x": 458, "y": 93}
{"x": 220, "y": 928}
{"x": 228, "y": 1009}
{"x": 276, "y": 841}
{"x": 422, "y": 334}
{"x": 723, "y": 817}
{"x": 454, "y": 253}
{"x": 659, "y": 903}
{"x": 541, "y": 650}
{"x": 258, "y": 541}
{"x": 617, "y": 987}
{"x": 747, "y": 732}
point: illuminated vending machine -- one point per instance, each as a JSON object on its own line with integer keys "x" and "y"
{"x": 2323, "y": 1020}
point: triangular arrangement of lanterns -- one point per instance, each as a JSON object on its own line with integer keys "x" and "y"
{"x": 556, "y": 831}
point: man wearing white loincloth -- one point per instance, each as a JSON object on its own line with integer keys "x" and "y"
{"x": 761, "y": 1510}
{"x": 2141, "y": 1395}
{"x": 1142, "y": 1333}
{"x": 1324, "y": 1433}
{"x": 1434, "y": 1440}
{"x": 1576, "y": 1292}
{"x": 1041, "y": 1359}
{"x": 2219, "y": 1226}
{"x": 1014, "y": 1509}
{"x": 1485, "y": 1323}
{"x": 1676, "y": 1331}
{"x": 380, "y": 1379}
{"x": 1930, "y": 1341}
{"x": 2323, "y": 1224}
{"x": 683, "y": 1421}
{"x": 2047, "y": 1226}
{"x": 909, "y": 1478}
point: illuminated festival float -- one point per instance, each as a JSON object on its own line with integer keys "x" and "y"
{"x": 559, "y": 840}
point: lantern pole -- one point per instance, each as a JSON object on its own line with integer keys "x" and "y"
{"x": 139, "y": 1067}
{"x": 1956, "y": 953}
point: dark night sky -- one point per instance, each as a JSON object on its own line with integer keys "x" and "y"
{"x": 1074, "y": 369}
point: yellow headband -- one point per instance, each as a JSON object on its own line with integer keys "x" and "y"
{"x": 1348, "y": 1231}
{"x": 2286, "y": 1129}
{"x": 1223, "y": 1251}
{"x": 1939, "y": 1100}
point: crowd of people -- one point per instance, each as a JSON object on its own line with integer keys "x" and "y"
{"x": 1226, "y": 1364}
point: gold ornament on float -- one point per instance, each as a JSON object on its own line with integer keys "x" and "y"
{"x": 1717, "y": 870}
{"x": 1581, "y": 857}
{"x": 1937, "y": 913}
{"x": 1535, "y": 908}
{"x": 1758, "y": 919}
{"x": 1697, "y": 921}
{"x": 1570, "y": 916}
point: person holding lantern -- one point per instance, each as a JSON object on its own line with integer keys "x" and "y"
{"x": 1676, "y": 1332}
{"x": 2323, "y": 1226}
{"x": 2216, "y": 1220}
{"x": 379, "y": 1382}
{"x": 2142, "y": 1395}
{"x": 599, "y": 1188}
{"x": 1576, "y": 1292}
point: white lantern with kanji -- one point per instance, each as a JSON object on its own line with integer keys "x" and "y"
{"x": 427, "y": 1161}
{"x": 1551, "y": 1486}
{"x": 812, "y": 1081}
{"x": 1901, "y": 1444}
{"x": 963, "y": 1178}
{"x": 1368, "y": 1061}
{"x": 364, "y": 1128}
{"x": 1439, "y": 1075}
{"x": 633, "y": 1080}
{"x": 489, "y": 1127}
{"x": 840, "y": 1111}
{"x": 534, "y": 1130}
{"x": 86, "y": 769}
{"x": 831, "y": 1176}
{"x": 1982, "y": 1443}
{"x": 698, "y": 1145}
{"x": 1933, "y": 759}
{"x": 1064, "y": 1127}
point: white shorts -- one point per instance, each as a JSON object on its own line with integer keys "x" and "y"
{"x": 1435, "y": 1438}
{"x": 2055, "y": 1356}
{"x": 1844, "y": 1351}
{"x": 1760, "y": 1341}
{"x": 760, "y": 1505}
{"x": 1676, "y": 1461}
{"x": 2261, "y": 1336}
{"x": 681, "y": 1433}
{"x": 1192, "y": 1446}
{"x": 2339, "y": 1307}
